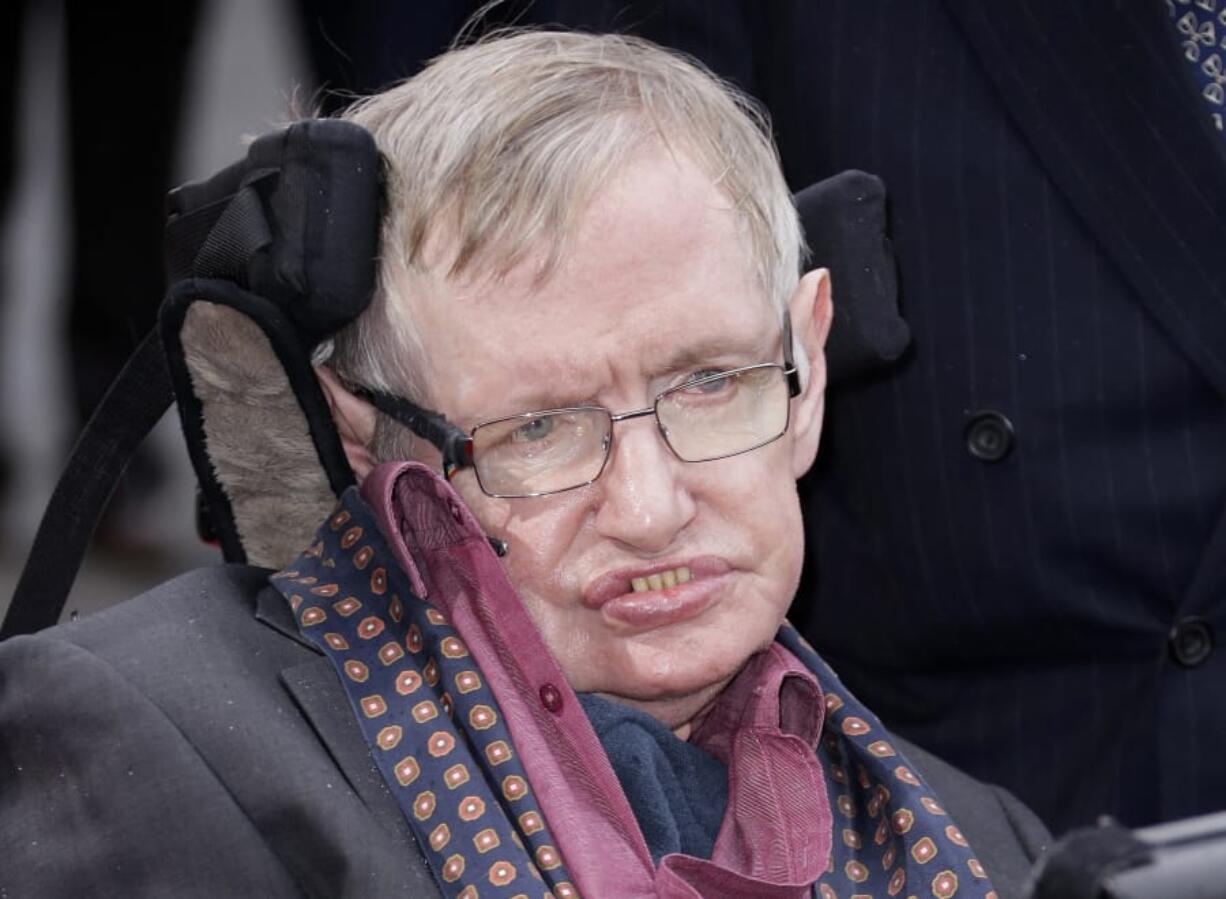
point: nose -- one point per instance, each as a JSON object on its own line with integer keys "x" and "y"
{"x": 644, "y": 500}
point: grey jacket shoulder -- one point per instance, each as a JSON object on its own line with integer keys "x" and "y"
{"x": 219, "y": 594}
{"x": 1007, "y": 837}
{"x": 187, "y": 743}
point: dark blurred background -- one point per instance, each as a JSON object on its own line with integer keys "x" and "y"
{"x": 104, "y": 110}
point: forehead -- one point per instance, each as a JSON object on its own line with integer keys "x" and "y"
{"x": 657, "y": 267}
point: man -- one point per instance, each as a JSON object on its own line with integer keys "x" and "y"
{"x": 589, "y": 292}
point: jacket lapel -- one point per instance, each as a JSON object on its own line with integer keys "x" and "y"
{"x": 272, "y": 609}
{"x": 1096, "y": 89}
{"x": 324, "y": 703}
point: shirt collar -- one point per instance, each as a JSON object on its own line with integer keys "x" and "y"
{"x": 772, "y": 693}
{"x": 764, "y": 725}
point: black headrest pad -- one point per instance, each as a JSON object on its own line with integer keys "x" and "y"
{"x": 296, "y": 222}
{"x": 844, "y": 219}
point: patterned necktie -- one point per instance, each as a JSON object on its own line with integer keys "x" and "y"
{"x": 1201, "y": 31}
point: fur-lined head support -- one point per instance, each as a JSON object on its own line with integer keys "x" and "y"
{"x": 267, "y": 258}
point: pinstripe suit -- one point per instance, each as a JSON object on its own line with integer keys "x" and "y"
{"x": 1058, "y": 209}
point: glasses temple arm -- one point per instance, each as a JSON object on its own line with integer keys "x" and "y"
{"x": 454, "y": 444}
{"x": 789, "y": 358}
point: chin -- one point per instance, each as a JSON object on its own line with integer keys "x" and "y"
{"x": 672, "y": 707}
{"x": 675, "y": 666}
{"x": 670, "y": 683}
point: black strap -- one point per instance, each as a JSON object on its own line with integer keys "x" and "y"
{"x": 132, "y": 406}
{"x": 239, "y": 233}
{"x": 218, "y": 239}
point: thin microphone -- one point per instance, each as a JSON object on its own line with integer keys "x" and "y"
{"x": 499, "y": 546}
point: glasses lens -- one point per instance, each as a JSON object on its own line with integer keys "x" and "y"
{"x": 541, "y": 452}
{"x": 725, "y": 414}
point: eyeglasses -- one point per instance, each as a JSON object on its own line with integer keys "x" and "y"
{"x": 712, "y": 416}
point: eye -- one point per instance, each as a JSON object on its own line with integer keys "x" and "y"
{"x": 695, "y": 383}
{"x": 533, "y": 430}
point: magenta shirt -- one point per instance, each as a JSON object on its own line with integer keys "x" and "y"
{"x": 776, "y": 832}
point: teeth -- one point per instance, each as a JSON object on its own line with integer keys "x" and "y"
{"x": 661, "y": 580}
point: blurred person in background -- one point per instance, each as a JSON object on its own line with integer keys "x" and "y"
{"x": 121, "y": 161}
{"x": 1030, "y": 509}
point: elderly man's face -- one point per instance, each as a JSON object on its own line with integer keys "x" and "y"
{"x": 655, "y": 286}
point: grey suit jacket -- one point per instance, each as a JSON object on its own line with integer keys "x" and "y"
{"x": 189, "y": 742}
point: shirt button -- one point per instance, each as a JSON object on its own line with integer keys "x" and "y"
{"x": 989, "y": 436}
{"x": 551, "y": 698}
{"x": 454, "y": 508}
{"x": 1191, "y": 641}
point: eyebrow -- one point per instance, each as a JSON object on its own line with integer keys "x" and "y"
{"x": 730, "y": 351}
{"x": 731, "y": 348}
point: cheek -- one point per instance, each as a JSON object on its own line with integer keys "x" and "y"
{"x": 762, "y": 503}
{"x": 539, "y": 534}
{"x": 534, "y": 565}
{"x": 789, "y": 532}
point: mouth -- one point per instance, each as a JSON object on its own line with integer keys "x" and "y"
{"x": 643, "y": 598}
{"x": 670, "y": 577}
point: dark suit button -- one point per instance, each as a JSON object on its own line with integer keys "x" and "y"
{"x": 1191, "y": 641}
{"x": 989, "y": 436}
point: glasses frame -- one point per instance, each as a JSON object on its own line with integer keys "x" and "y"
{"x": 457, "y": 447}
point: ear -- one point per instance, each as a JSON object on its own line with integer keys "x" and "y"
{"x": 355, "y": 422}
{"x": 812, "y": 311}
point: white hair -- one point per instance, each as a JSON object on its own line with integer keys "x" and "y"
{"x": 500, "y": 146}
